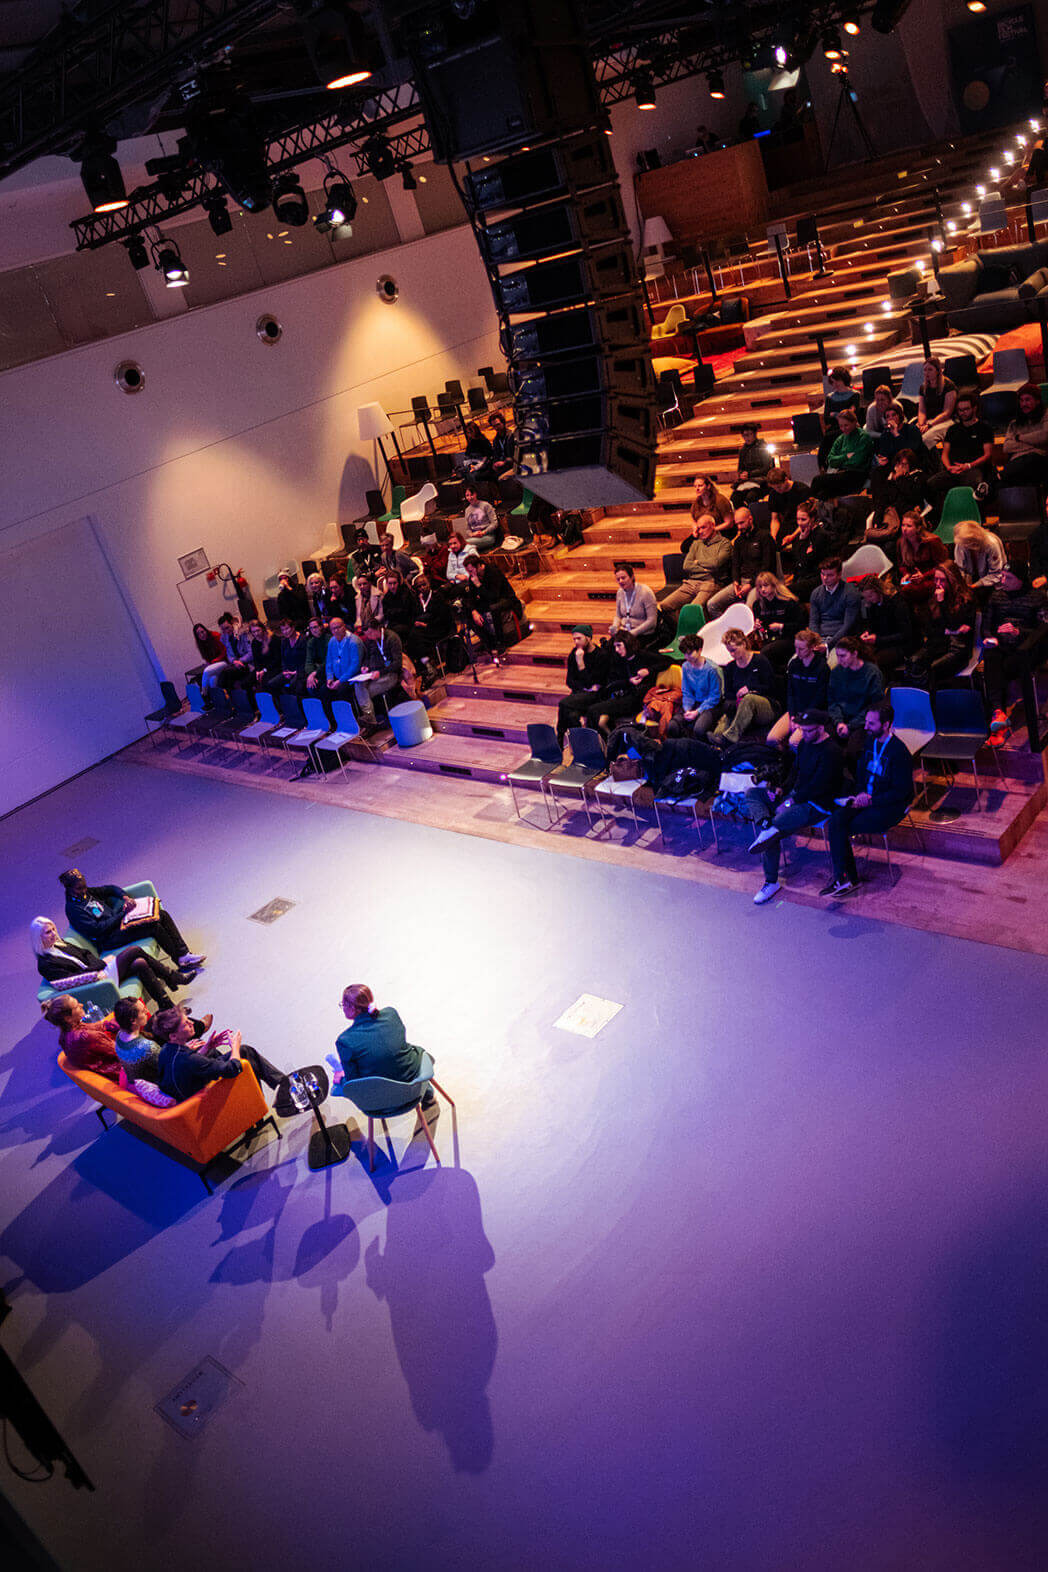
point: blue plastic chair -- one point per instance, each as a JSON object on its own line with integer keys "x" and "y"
{"x": 347, "y": 731}
{"x": 380, "y": 1098}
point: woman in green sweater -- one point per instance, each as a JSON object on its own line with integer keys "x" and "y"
{"x": 849, "y": 460}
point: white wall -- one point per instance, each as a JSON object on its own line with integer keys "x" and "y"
{"x": 244, "y": 449}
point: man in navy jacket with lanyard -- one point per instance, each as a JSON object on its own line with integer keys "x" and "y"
{"x": 885, "y": 779}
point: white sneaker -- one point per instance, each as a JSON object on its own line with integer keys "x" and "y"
{"x": 192, "y": 962}
{"x": 767, "y": 834}
{"x": 766, "y": 893}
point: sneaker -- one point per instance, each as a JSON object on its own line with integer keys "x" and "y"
{"x": 769, "y": 833}
{"x": 1000, "y": 721}
{"x": 766, "y": 893}
{"x": 189, "y": 962}
{"x": 839, "y": 887}
{"x": 184, "y": 977}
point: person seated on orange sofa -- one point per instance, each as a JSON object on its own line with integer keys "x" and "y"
{"x": 186, "y": 1064}
{"x": 88, "y": 1045}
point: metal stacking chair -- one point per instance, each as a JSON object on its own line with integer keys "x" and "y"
{"x": 545, "y": 757}
{"x": 588, "y": 763}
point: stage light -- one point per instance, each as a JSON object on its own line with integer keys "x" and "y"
{"x": 378, "y": 155}
{"x": 223, "y": 134}
{"x": 782, "y": 54}
{"x": 851, "y": 25}
{"x": 715, "y": 83}
{"x": 338, "y": 45}
{"x": 289, "y": 200}
{"x": 101, "y": 176}
{"x": 406, "y": 175}
{"x": 831, "y": 44}
{"x": 218, "y": 214}
{"x": 644, "y": 90}
{"x": 138, "y": 252}
{"x": 977, "y": 5}
{"x": 168, "y": 260}
{"x": 340, "y": 205}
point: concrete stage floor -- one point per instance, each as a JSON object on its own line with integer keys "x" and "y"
{"x": 755, "y": 1279}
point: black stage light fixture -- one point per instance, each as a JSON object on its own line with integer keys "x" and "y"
{"x": 218, "y": 214}
{"x": 644, "y": 90}
{"x": 137, "y": 251}
{"x": 340, "y": 204}
{"x": 168, "y": 260}
{"x": 407, "y": 175}
{"x": 223, "y": 135}
{"x": 100, "y": 173}
{"x": 289, "y": 200}
{"x": 715, "y": 83}
{"x": 338, "y": 45}
{"x": 378, "y": 155}
{"x": 887, "y": 14}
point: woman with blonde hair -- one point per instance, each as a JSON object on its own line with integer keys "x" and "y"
{"x": 749, "y": 684}
{"x": 807, "y": 684}
{"x": 64, "y": 963}
{"x": 980, "y": 557}
{"x": 777, "y": 614}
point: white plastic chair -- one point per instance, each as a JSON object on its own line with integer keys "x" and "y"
{"x": 912, "y": 378}
{"x": 867, "y": 559}
{"x": 331, "y": 543}
{"x": 413, "y": 510}
{"x": 712, "y": 635}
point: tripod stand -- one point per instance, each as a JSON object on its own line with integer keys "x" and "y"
{"x": 847, "y": 98}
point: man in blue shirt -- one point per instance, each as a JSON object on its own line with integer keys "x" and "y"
{"x": 885, "y": 781}
{"x": 345, "y": 656}
{"x": 835, "y": 605}
{"x": 702, "y": 690}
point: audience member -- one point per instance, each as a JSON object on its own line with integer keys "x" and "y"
{"x": 342, "y": 664}
{"x": 835, "y": 605}
{"x": 587, "y": 670}
{"x": 981, "y": 558}
{"x": 805, "y": 550}
{"x": 375, "y": 1043}
{"x": 477, "y": 453}
{"x": 185, "y": 1066}
{"x": 503, "y": 456}
{"x": 208, "y": 643}
{"x": 236, "y": 652}
{"x": 489, "y": 599}
{"x": 319, "y": 596}
{"x": 636, "y": 610}
{"x": 292, "y": 601}
{"x": 749, "y": 686}
{"x": 752, "y": 552}
{"x": 631, "y": 671}
{"x": 263, "y": 664}
{"x": 315, "y": 667}
{"x": 391, "y": 559}
{"x": 433, "y": 622}
{"x": 777, "y": 617}
{"x": 967, "y": 453}
{"x": 709, "y": 499}
{"x": 480, "y": 522}
{"x": 1014, "y": 637}
{"x": 101, "y": 915}
{"x": 884, "y": 776}
{"x": 755, "y": 460}
{"x": 64, "y": 964}
{"x": 290, "y": 675}
{"x": 878, "y": 408}
{"x": 854, "y": 685}
{"x": 946, "y": 631}
{"x": 902, "y": 491}
{"x": 366, "y": 556}
{"x": 399, "y": 604}
{"x": 815, "y": 781}
{"x": 702, "y": 687}
{"x": 848, "y": 461}
{"x": 839, "y": 395}
{"x": 707, "y": 563}
{"x": 884, "y": 628}
{"x": 784, "y": 498}
{"x": 367, "y": 601}
{"x": 458, "y": 550}
{"x": 1026, "y": 441}
{"x": 383, "y": 662}
{"x": 88, "y": 1045}
{"x": 807, "y": 685}
{"x": 434, "y": 559}
{"x": 896, "y": 437}
{"x": 918, "y": 554}
{"x": 936, "y": 400}
{"x": 136, "y": 1050}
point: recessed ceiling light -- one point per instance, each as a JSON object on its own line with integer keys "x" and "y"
{"x": 110, "y": 293}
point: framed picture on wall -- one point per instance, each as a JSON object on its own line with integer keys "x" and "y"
{"x": 193, "y": 562}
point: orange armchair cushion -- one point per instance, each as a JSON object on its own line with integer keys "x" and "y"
{"x": 200, "y": 1127}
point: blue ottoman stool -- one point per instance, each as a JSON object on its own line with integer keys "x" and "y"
{"x": 410, "y": 724}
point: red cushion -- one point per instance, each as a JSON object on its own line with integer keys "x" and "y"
{"x": 1027, "y": 337}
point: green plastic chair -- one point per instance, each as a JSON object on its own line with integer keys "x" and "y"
{"x": 523, "y": 507}
{"x": 960, "y": 505}
{"x": 104, "y": 993}
{"x": 399, "y": 493}
{"x": 692, "y": 618}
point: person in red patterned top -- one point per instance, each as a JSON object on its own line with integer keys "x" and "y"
{"x": 88, "y": 1045}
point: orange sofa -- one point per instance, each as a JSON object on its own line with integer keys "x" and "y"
{"x": 200, "y": 1128}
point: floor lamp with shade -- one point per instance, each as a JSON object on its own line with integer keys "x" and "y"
{"x": 373, "y": 424}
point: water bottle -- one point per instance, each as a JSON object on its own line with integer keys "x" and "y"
{"x": 298, "y": 1092}
{"x": 93, "y": 1012}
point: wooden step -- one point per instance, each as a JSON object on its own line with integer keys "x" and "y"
{"x": 541, "y": 652}
{"x": 460, "y": 758}
{"x": 656, "y": 531}
{"x": 493, "y": 720}
{"x": 601, "y": 558}
{"x": 560, "y": 616}
{"x": 520, "y": 684}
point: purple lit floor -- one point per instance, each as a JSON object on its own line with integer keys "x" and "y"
{"x": 756, "y": 1279}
